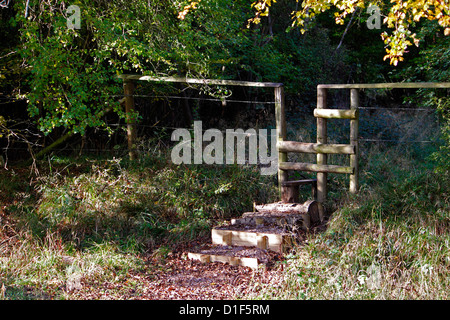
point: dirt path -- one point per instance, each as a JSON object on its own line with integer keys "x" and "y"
{"x": 180, "y": 278}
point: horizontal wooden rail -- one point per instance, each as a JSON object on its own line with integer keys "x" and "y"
{"x": 201, "y": 81}
{"x": 294, "y": 183}
{"x": 396, "y": 85}
{"x": 303, "y": 147}
{"x": 336, "y": 113}
{"x": 299, "y": 166}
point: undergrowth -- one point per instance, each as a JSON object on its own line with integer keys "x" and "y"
{"x": 105, "y": 216}
{"x": 391, "y": 241}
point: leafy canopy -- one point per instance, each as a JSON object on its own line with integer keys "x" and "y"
{"x": 71, "y": 73}
{"x": 399, "y": 15}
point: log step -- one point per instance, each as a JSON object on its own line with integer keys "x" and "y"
{"x": 259, "y": 235}
{"x": 234, "y": 261}
{"x": 286, "y": 221}
{"x": 276, "y": 240}
{"x": 234, "y": 255}
{"x": 292, "y": 212}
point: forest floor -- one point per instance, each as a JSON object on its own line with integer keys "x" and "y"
{"x": 176, "y": 277}
{"x": 180, "y": 278}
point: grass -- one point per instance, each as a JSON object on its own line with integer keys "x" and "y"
{"x": 100, "y": 219}
{"x": 392, "y": 241}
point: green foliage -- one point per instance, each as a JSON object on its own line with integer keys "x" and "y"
{"x": 398, "y": 15}
{"x": 72, "y": 73}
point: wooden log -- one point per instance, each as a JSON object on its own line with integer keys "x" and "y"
{"x": 282, "y": 207}
{"x": 300, "y": 166}
{"x": 354, "y": 133}
{"x": 336, "y": 113}
{"x": 302, "y": 147}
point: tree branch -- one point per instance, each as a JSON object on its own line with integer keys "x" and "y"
{"x": 346, "y": 29}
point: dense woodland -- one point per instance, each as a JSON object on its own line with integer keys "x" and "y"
{"x": 83, "y": 201}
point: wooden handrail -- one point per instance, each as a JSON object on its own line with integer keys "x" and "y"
{"x": 130, "y": 77}
{"x": 306, "y": 147}
{"x": 392, "y": 85}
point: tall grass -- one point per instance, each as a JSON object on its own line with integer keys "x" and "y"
{"x": 92, "y": 220}
{"x": 116, "y": 200}
{"x": 392, "y": 241}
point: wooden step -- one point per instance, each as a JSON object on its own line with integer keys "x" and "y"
{"x": 273, "y": 238}
{"x": 270, "y": 229}
{"x": 234, "y": 261}
{"x": 287, "y": 221}
{"x": 234, "y": 255}
{"x": 307, "y": 212}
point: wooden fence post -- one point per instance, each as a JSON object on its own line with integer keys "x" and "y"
{"x": 321, "y": 157}
{"x": 354, "y": 132}
{"x": 128, "y": 87}
{"x": 281, "y": 133}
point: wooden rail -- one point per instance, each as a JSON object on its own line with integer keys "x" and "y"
{"x": 304, "y": 147}
{"x": 336, "y": 113}
{"x": 130, "y": 77}
{"x": 396, "y": 85}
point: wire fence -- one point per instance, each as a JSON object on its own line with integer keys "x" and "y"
{"x": 26, "y": 147}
